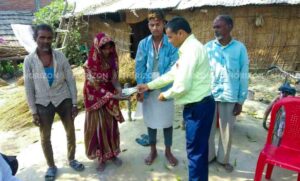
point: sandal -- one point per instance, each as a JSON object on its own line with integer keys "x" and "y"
{"x": 76, "y": 165}
{"x": 51, "y": 173}
{"x": 101, "y": 167}
{"x": 227, "y": 167}
{"x": 142, "y": 142}
{"x": 117, "y": 161}
{"x": 213, "y": 160}
{"x": 145, "y": 136}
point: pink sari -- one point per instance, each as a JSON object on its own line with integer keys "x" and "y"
{"x": 102, "y": 138}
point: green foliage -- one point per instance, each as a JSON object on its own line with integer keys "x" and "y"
{"x": 6, "y": 67}
{"x": 73, "y": 50}
{"x": 50, "y": 14}
{"x": 20, "y": 67}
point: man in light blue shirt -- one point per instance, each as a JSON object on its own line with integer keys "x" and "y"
{"x": 230, "y": 66}
{"x": 155, "y": 56}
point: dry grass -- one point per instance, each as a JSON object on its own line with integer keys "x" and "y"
{"x": 3, "y": 83}
{"x": 126, "y": 69}
{"x": 11, "y": 51}
{"x": 265, "y": 86}
{"x": 14, "y": 112}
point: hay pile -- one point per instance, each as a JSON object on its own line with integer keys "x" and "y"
{"x": 3, "y": 83}
{"x": 14, "y": 113}
{"x": 126, "y": 69}
{"x": 20, "y": 81}
{"x": 11, "y": 51}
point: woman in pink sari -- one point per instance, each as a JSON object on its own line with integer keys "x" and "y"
{"x": 102, "y": 92}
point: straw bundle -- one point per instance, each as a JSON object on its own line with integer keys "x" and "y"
{"x": 11, "y": 51}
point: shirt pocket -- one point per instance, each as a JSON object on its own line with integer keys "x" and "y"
{"x": 233, "y": 67}
{"x": 232, "y": 63}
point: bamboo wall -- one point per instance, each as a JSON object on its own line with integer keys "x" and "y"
{"x": 276, "y": 41}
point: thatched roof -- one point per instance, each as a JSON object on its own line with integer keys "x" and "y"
{"x": 93, "y": 7}
{"x": 11, "y": 48}
{"x": 231, "y": 3}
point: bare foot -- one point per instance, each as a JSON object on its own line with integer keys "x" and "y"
{"x": 171, "y": 159}
{"x": 101, "y": 167}
{"x": 117, "y": 161}
{"x": 150, "y": 158}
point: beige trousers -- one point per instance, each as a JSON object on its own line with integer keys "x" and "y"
{"x": 226, "y": 123}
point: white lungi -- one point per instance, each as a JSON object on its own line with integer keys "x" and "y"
{"x": 157, "y": 114}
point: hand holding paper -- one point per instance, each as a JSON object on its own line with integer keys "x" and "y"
{"x": 142, "y": 88}
{"x": 129, "y": 91}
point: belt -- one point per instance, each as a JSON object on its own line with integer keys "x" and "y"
{"x": 204, "y": 100}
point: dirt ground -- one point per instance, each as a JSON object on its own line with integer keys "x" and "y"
{"x": 249, "y": 138}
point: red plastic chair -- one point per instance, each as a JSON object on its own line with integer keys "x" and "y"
{"x": 287, "y": 154}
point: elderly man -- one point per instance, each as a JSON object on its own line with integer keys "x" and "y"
{"x": 155, "y": 56}
{"x": 50, "y": 88}
{"x": 229, "y": 64}
{"x": 191, "y": 87}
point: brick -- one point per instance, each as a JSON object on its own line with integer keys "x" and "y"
{"x": 20, "y": 5}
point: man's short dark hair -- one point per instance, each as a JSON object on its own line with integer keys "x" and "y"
{"x": 226, "y": 18}
{"x": 156, "y": 14}
{"x": 179, "y": 23}
{"x": 41, "y": 27}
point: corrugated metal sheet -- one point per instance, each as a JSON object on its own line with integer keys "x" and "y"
{"x": 92, "y": 7}
{"x": 13, "y": 17}
{"x": 184, "y": 4}
{"x": 108, "y": 6}
{"x": 81, "y": 5}
{"x": 153, "y": 4}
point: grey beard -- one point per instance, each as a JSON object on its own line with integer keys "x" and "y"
{"x": 46, "y": 49}
{"x": 219, "y": 37}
